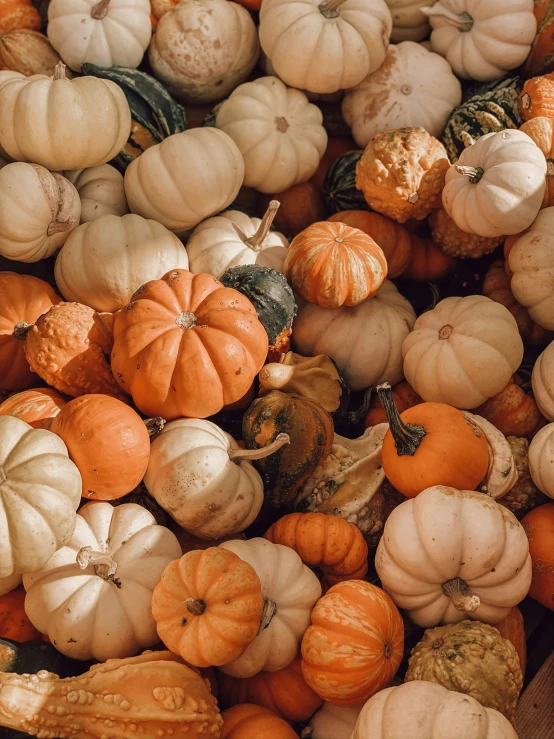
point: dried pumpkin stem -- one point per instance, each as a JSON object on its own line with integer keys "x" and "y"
{"x": 407, "y": 436}
{"x": 104, "y": 564}
{"x": 270, "y": 609}
{"x": 461, "y": 21}
{"x": 155, "y": 426}
{"x": 21, "y": 329}
{"x": 196, "y": 607}
{"x": 262, "y": 452}
{"x": 460, "y": 594}
{"x": 474, "y": 173}
{"x": 100, "y": 10}
{"x": 330, "y": 8}
{"x": 59, "y": 71}
{"x": 255, "y": 242}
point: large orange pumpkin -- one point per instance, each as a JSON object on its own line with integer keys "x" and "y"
{"x": 254, "y": 722}
{"x": 35, "y": 407}
{"x": 541, "y": 130}
{"x": 537, "y": 98}
{"x": 15, "y": 14}
{"x": 539, "y": 527}
{"x": 404, "y": 397}
{"x": 14, "y": 623}
{"x": 428, "y": 262}
{"x": 511, "y": 411}
{"x": 541, "y": 56}
{"x": 187, "y": 346}
{"x": 355, "y": 643}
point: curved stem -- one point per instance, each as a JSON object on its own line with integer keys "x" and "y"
{"x": 407, "y": 437}
{"x": 59, "y": 71}
{"x": 474, "y": 173}
{"x": 21, "y": 329}
{"x": 255, "y": 242}
{"x": 463, "y": 21}
{"x": 104, "y": 564}
{"x": 270, "y": 609}
{"x": 330, "y": 8}
{"x": 262, "y": 452}
{"x": 100, "y": 10}
{"x": 460, "y": 594}
{"x": 155, "y": 426}
{"x": 196, "y": 607}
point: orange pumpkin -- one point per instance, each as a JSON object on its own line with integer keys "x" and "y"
{"x": 22, "y": 300}
{"x": 537, "y": 97}
{"x": 541, "y": 56}
{"x": 16, "y": 14}
{"x": 332, "y": 264}
{"x": 254, "y": 722}
{"x": 511, "y": 411}
{"x": 160, "y": 7}
{"x": 14, "y": 623}
{"x": 513, "y": 629}
{"x": 301, "y": 205}
{"x": 187, "y": 346}
{"x": 109, "y": 443}
{"x": 336, "y": 147}
{"x": 453, "y": 241}
{"x": 541, "y": 130}
{"x": 404, "y": 397}
{"x": 428, "y": 262}
{"x": 539, "y": 527}
{"x": 355, "y": 643}
{"x": 35, "y": 407}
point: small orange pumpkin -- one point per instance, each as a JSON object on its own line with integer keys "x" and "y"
{"x": 248, "y": 721}
{"x": 301, "y": 205}
{"x": 541, "y": 130}
{"x": 404, "y": 397}
{"x": 541, "y": 56}
{"x": 14, "y": 623}
{"x": 457, "y": 243}
{"x": 35, "y": 407}
{"x": 537, "y": 97}
{"x": 513, "y": 628}
{"x": 428, "y": 262}
{"x": 16, "y": 14}
{"x": 539, "y": 527}
{"x": 511, "y": 411}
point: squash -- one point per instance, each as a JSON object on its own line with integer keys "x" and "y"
{"x": 16, "y": 14}
{"x": 77, "y": 145}
{"x": 428, "y": 261}
{"x": 403, "y": 397}
{"x": 108, "y": 259}
{"x": 541, "y": 57}
{"x": 336, "y": 147}
{"x": 278, "y": 131}
{"x": 354, "y": 645}
{"x": 333, "y": 722}
{"x": 339, "y": 188}
{"x": 246, "y": 721}
{"x": 472, "y": 553}
{"x": 101, "y": 191}
{"x": 36, "y": 407}
{"x": 159, "y": 8}
{"x": 38, "y": 211}
{"x": 30, "y": 657}
{"x": 457, "y": 243}
{"x": 203, "y": 49}
{"x": 401, "y": 173}
{"x": 349, "y": 336}
{"x": 482, "y": 343}
{"x": 524, "y": 496}
{"x": 512, "y": 628}
{"x": 541, "y": 458}
{"x": 502, "y": 473}
{"x": 24, "y": 299}
{"x": 539, "y": 525}
{"x": 398, "y": 95}
{"x": 159, "y": 188}
{"x": 27, "y": 52}
{"x": 14, "y": 623}
{"x": 408, "y": 23}
{"x": 301, "y": 205}
{"x": 290, "y": 591}
{"x": 425, "y": 709}
{"x": 541, "y": 131}
{"x": 512, "y": 411}
{"x": 537, "y": 98}
{"x": 541, "y": 380}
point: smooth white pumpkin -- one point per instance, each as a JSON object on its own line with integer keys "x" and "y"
{"x": 40, "y": 490}
{"x": 6, "y": 74}
{"x": 413, "y": 87}
{"x": 203, "y": 49}
{"x": 7, "y": 584}
{"x": 38, "y": 211}
{"x": 278, "y": 131}
{"x": 334, "y": 722}
{"x": 293, "y": 588}
{"x": 541, "y": 460}
{"x": 105, "y": 261}
{"x": 185, "y": 179}
{"x": 463, "y": 351}
{"x": 447, "y": 555}
{"x": 496, "y": 187}
{"x": 408, "y": 22}
{"x": 108, "y": 33}
{"x": 324, "y": 46}
{"x": 482, "y": 39}
{"x": 101, "y": 191}
{"x": 542, "y": 381}
{"x": 93, "y": 596}
{"x": 365, "y": 341}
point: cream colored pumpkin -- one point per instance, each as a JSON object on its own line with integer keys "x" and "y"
{"x": 278, "y": 131}
{"x": 324, "y": 46}
{"x": 203, "y": 49}
{"x": 413, "y": 87}
{"x": 105, "y": 261}
{"x": 502, "y": 473}
{"x": 7, "y": 74}
{"x": 496, "y": 187}
{"x": 186, "y": 178}
{"x": 463, "y": 351}
{"x": 108, "y": 33}
{"x": 365, "y": 341}
{"x": 334, "y": 722}
{"x": 38, "y": 211}
{"x": 40, "y": 489}
{"x": 7, "y": 584}
{"x": 447, "y": 555}
{"x": 101, "y": 191}
{"x": 541, "y": 460}
{"x": 542, "y": 381}
{"x": 408, "y": 22}
{"x": 93, "y": 596}
{"x": 290, "y": 590}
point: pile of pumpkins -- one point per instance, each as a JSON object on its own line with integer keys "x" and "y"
{"x": 253, "y": 424}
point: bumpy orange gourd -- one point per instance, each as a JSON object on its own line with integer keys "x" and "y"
{"x": 537, "y": 98}
{"x": 355, "y": 643}
{"x": 18, "y": 14}
{"x": 248, "y": 721}
{"x": 404, "y": 397}
{"x": 322, "y": 540}
{"x": 428, "y": 262}
{"x": 14, "y": 623}
{"x": 513, "y": 628}
{"x": 457, "y": 243}
{"x": 187, "y": 346}
{"x": 301, "y": 205}
{"x": 541, "y": 130}
{"x": 35, "y": 407}
{"x": 511, "y": 411}
{"x": 539, "y": 527}
{"x": 541, "y": 56}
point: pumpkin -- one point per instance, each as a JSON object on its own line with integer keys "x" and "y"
{"x": 284, "y": 692}
{"x": 207, "y": 606}
{"x": 457, "y": 243}
{"x": 101, "y": 191}
{"x": 81, "y": 140}
{"x": 232, "y": 238}
{"x": 159, "y": 188}
{"x": 541, "y": 57}
{"x": 408, "y": 23}
{"x": 537, "y": 98}
{"x": 502, "y": 473}
{"x": 512, "y": 411}
{"x": 38, "y": 211}
{"x": 246, "y": 721}
{"x": 27, "y": 52}
{"x": 159, "y": 8}
{"x": 36, "y": 407}
{"x": 179, "y": 378}
{"x": 299, "y": 49}
{"x": 301, "y": 205}
{"x": 541, "y": 457}
{"x": 428, "y": 261}
{"x": 524, "y": 496}
{"x": 512, "y": 628}
{"x": 541, "y": 131}
{"x": 108, "y": 259}
{"x": 472, "y": 552}
{"x": 203, "y": 49}
{"x": 403, "y": 397}
{"x": 482, "y": 350}
{"x": 539, "y": 525}
{"x": 398, "y": 95}
{"x": 336, "y": 147}
{"x": 349, "y": 336}
{"x": 339, "y": 188}
{"x": 541, "y": 380}
{"x": 14, "y": 623}
{"x": 429, "y": 711}
{"x": 333, "y": 722}
{"x": 290, "y": 591}
{"x": 310, "y": 429}
{"x": 401, "y": 173}
{"x": 278, "y": 131}
{"x": 16, "y": 14}
{"x": 24, "y": 299}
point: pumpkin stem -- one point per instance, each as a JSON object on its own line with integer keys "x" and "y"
{"x": 330, "y": 8}
{"x": 155, "y": 426}
{"x": 255, "y": 242}
{"x": 59, "y": 71}
{"x": 462, "y": 21}
{"x": 460, "y": 594}
{"x": 237, "y": 455}
{"x": 270, "y": 609}
{"x": 21, "y": 329}
{"x": 104, "y": 564}
{"x": 407, "y": 437}
{"x": 100, "y": 10}
{"x": 196, "y": 607}
{"x": 474, "y": 173}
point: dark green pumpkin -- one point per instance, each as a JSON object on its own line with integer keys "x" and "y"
{"x": 339, "y": 188}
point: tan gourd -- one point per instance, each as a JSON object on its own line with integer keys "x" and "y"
{"x": 502, "y": 473}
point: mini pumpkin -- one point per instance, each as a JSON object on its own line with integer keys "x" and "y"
{"x": 301, "y": 205}
{"x": 457, "y": 243}
{"x": 541, "y": 131}
{"x": 512, "y": 411}
{"x": 428, "y": 262}
{"x": 541, "y": 59}
{"x": 403, "y": 397}
{"x": 541, "y": 460}
{"x": 537, "y": 98}
{"x": 14, "y": 622}
{"x": 246, "y": 720}
{"x": 539, "y": 525}
{"x": 37, "y": 407}
{"x": 542, "y": 382}
{"x": 333, "y": 722}
{"x": 15, "y": 14}
{"x": 101, "y": 191}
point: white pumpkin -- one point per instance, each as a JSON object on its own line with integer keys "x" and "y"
{"x": 203, "y": 49}
{"x": 541, "y": 460}
{"x": 101, "y": 191}
{"x": 463, "y": 351}
{"x": 93, "y": 596}
{"x": 365, "y": 341}
{"x": 334, "y": 722}
{"x": 7, "y": 584}
{"x": 105, "y": 261}
{"x": 324, "y": 46}
{"x": 291, "y": 590}
{"x": 184, "y": 179}
{"x": 38, "y": 211}
{"x": 408, "y": 22}
{"x": 278, "y": 131}
{"x": 108, "y": 33}
{"x": 6, "y": 74}
{"x": 233, "y": 238}
{"x": 40, "y": 490}
{"x": 542, "y": 381}
{"x": 413, "y": 87}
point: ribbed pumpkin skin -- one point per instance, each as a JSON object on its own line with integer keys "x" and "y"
{"x": 541, "y": 56}
{"x": 541, "y": 130}
{"x": 254, "y": 722}
{"x": 537, "y": 98}
{"x": 539, "y": 527}
{"x": 339, "y": 188}
{"x": 35, "y": 407}
{"x": 355, "y": 643}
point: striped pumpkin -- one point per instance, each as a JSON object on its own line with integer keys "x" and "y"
{"x": 339, "y": 188}
{"x": 541, "y": 57}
